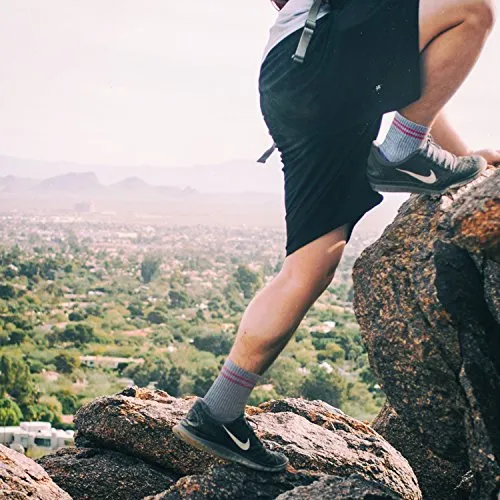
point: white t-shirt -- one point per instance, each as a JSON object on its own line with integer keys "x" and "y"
{"x": 291, "y": 17}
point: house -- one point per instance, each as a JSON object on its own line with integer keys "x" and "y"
{"x": 35, "y": 434}
{"x": 109, "y": 361}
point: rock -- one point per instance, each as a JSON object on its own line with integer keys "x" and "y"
{"x": 94, "y": 474}
{"x": 474, "y": 221}
{"x": 410, "y": 443}
{"x": 354, "y": 487}
{"x": 426, "y": 298}
{"x": 460, "y": 288}
{"x": 21, "y": 478}
{"x": 316, "y": 437}
{"x": 234, "y": 481}
{"x": 139, "y": 422}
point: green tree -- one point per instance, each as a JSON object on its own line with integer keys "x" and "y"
{"x": 10, "y": 413}
{"x": 170, "y": 380}
{"x": 42, "y": 413}
{"x": 16, "y": 380}
{"x": 203, "y": 379}
{"x": 285, "y": 377}
{"x": 157, "y": 317}
{"x": 232, "y": 294}
{"x": 328, "y": 387}
{"x": 260, "y": 395}
{"x": 67, "y": 362}
{"x": 77, "y": 316}
{"x": 248, "y": 281}
{"x": 331, "y": 352}
{"x": 135, "y": 309}
{"x": 4, "y": 338}
{"x": 150, "y": 267}
{"x": 68, "y": 400}
{"x": 17, "y": 337}
{"x": 78, "y": 334}
{"x": 218, "y": 343}
{"x": 179, "y": 299}
{"x": 7, "y": 291}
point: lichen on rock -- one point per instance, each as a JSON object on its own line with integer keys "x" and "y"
{"x": 427, "y": 300}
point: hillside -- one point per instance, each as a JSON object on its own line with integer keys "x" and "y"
{"x": 433, "y": 347}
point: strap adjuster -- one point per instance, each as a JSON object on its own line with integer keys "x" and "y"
{"x": 307, "y": 32}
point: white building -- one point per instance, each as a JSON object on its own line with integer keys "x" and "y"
{"x": 36, "y": 434}
{"x": 109, "y": 361}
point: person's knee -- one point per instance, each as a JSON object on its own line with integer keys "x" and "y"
{"x": 306, "y": 280}
{"x": 481, "y": 13}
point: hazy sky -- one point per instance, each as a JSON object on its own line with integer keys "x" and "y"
{"x": 158, "y": 82}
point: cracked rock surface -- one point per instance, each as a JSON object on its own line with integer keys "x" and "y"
{"x": 427, "y": 299}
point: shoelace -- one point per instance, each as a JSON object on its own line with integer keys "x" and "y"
{"x": 439, "y": 155}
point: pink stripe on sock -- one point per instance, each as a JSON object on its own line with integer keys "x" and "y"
{"x": 237, "y": 382}
{"x": 408, "y": 127}
{"x": 408, "y": 132}
{"x": 235, "y": 375}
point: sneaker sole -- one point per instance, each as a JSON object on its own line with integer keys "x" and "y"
{"x": 220, "y": 451}
{"x": 404, "y": 188}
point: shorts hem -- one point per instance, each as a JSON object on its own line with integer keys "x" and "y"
{"x": 352, "y": 221}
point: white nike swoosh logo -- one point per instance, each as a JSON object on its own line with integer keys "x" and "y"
{"x": 428, "y": 179}
{"x": 239, "y": 444}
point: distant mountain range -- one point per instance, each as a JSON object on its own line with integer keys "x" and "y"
{"x": 87, "y": 186}
{"x": 231, "y": 193}
{"x": 232, "y": 177}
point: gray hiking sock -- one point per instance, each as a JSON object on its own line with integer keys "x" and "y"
{"x": 404, "y": 137}
{"x": 227, "y": 397}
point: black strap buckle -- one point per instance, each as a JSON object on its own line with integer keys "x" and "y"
{"x": 307, "y": 32}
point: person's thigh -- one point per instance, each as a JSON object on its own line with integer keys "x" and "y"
{"x": 438, "y": 16}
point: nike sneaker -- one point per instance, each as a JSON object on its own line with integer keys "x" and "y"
{"x": 430, "y": 169}
{"x": 235, "y": 441}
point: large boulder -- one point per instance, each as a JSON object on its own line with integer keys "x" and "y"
{"x": 317, "y": 438}
{"x": 22, "y": 478}
{"x": 354, "y": 487}
{"x": 233, "y": 481}
{"x": 427, "y": 300}
{"x": 96, "y": 474}
{"x": 139, "y": 422}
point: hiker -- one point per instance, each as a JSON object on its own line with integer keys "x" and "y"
{"x": 330, "y": 71}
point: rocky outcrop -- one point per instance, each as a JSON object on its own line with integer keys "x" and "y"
{"x": 234, "y": 481}
{"x": 95, "y": 474}
{"x": 21, "y": 478}
{"x": 319, "y": 440}
{"x": 427, "y": 299}
{"x": 139, "y": 422}
{"x": 351, "y": 488}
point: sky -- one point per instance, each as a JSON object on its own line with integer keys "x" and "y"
{"x": 159, "y": 82}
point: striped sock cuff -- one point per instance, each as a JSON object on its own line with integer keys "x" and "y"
{"x": 412, "y": 129}
{"x": 237, "y": 375}
{"x": 227, "y": 397}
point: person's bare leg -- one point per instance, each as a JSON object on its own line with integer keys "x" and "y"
{"x": 452, "y": 35}
{"x": 276, "y": 312}
{"x": 216, "y": 423}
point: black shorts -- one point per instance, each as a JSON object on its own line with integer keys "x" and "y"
{"x": 324, "y": 114}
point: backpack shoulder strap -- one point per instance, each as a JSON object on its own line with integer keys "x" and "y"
{"x": 300, "y": 54}
{"x": 307, "y": 32}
